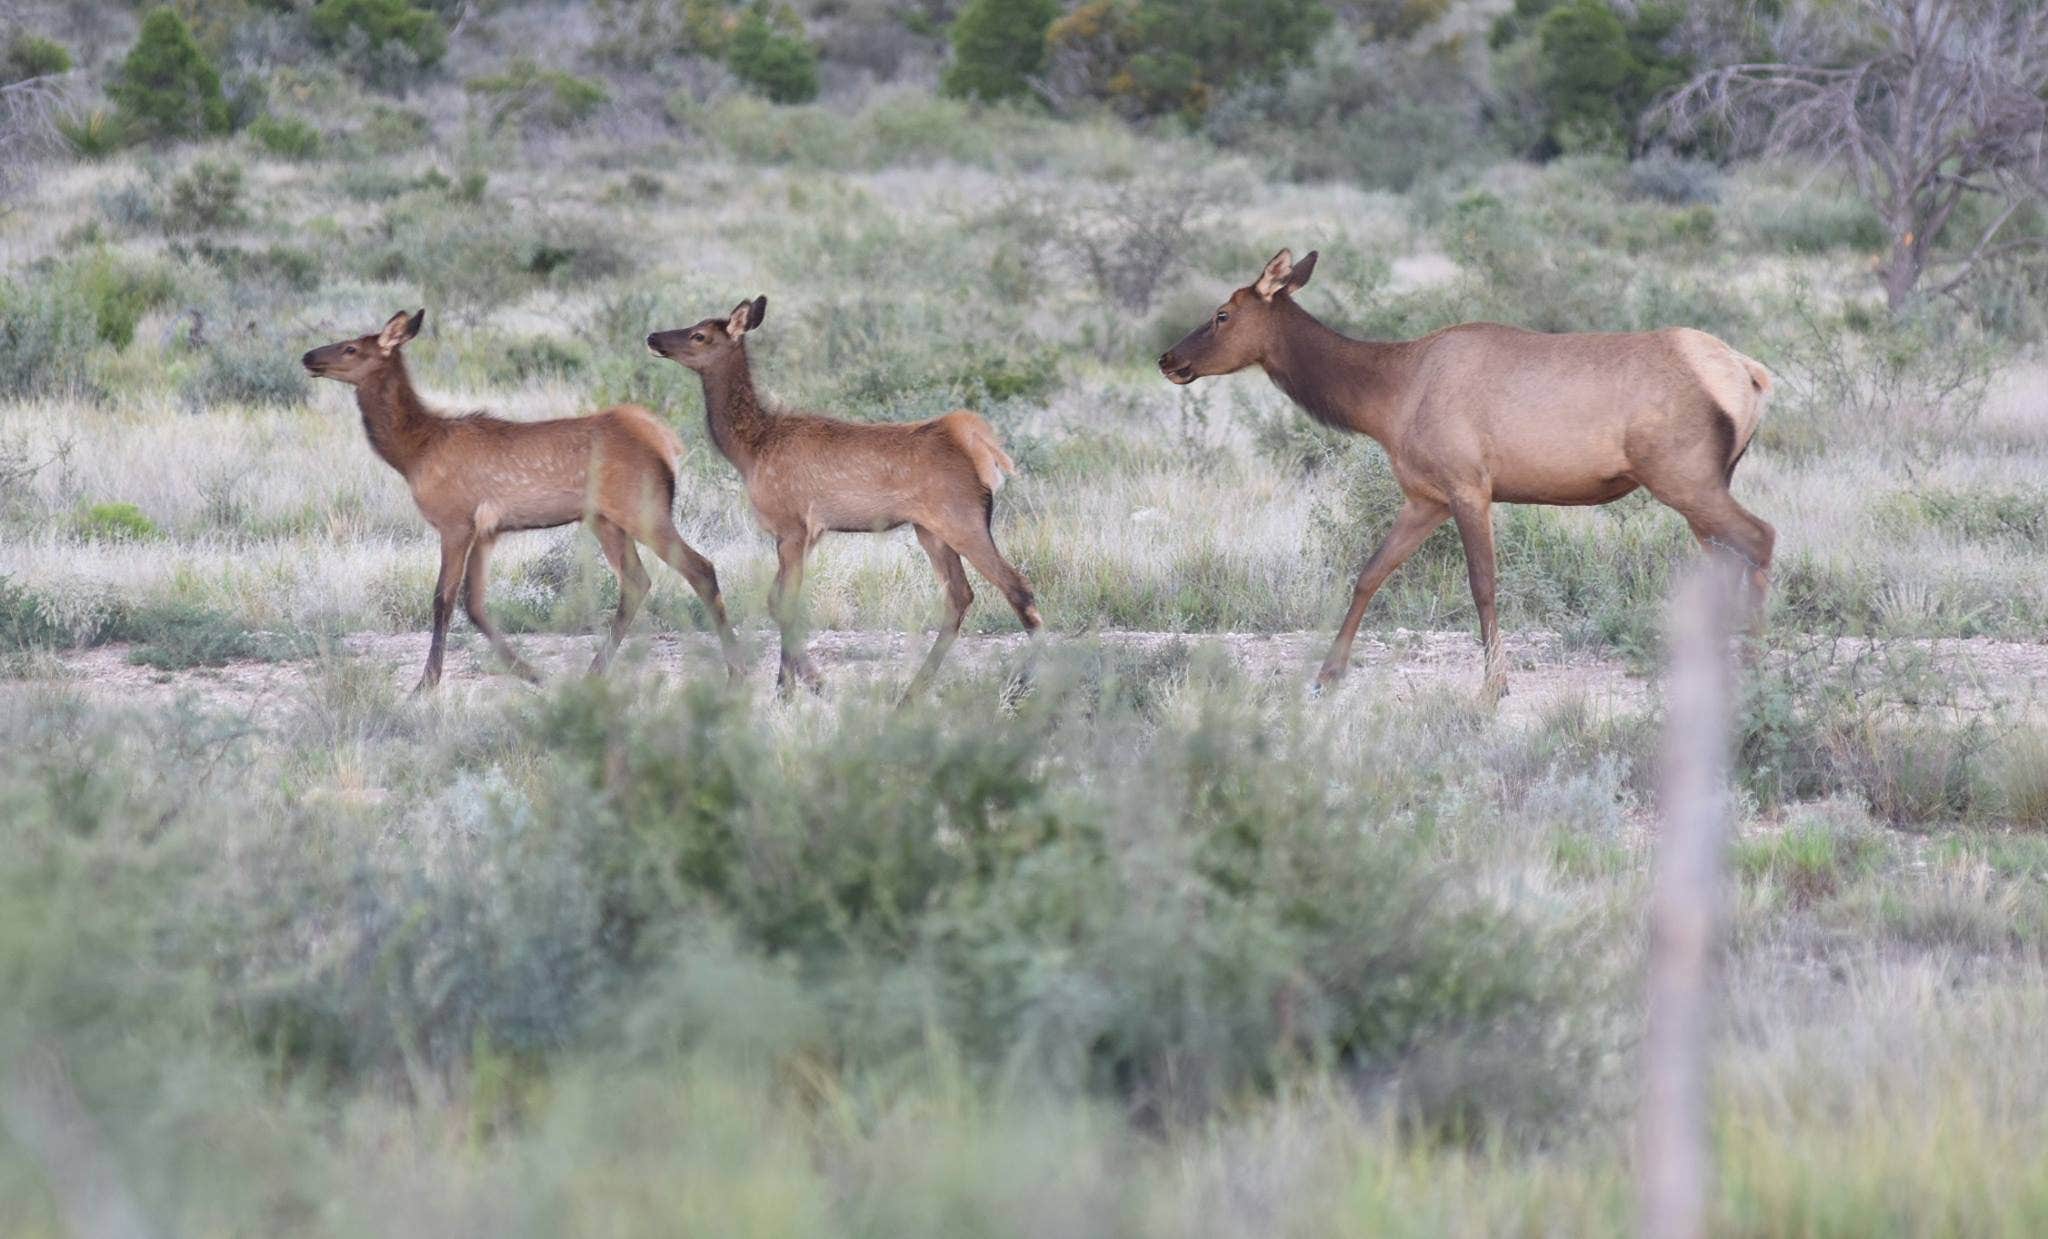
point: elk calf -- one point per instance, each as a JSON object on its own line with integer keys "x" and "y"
{"x": 808, "y": 476}
{"x": 1479, "y": 413}
{"x": 476, "y": 477}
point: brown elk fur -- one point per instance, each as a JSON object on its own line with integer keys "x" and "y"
{"x": 1480, "y": 413}
{"x": 477, "y": 477}
{"x": 807, "y": 476}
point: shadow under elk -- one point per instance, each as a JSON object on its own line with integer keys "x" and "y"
{"x": 808, "y": 475}
{"x": 1481, "y": 413}
{"x": 477, "y": 477}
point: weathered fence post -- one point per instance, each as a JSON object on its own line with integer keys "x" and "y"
{"x": 1673, "y": 1174}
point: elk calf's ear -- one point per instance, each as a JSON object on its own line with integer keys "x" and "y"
{"x": 741, "y": 320}
{"x": 401, "y": 328}
{"x": 1275, "y": 276}
{"x": 760, "y": 312}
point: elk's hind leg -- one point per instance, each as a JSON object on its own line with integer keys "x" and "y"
{"x": 978, "y": 546}
{"x": 1724, "y": 526}
{"x": 633, "y": 586}
{"x": 959, "y": 596}
{"x": 1475, "y": 527}
{"x": 976, "y": 541}
{"x": 663, "y": 539}
{"x": 477, "y": 577}
{"x": 785, "y": 600}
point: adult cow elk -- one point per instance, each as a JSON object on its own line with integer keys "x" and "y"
{"x": 1480, "y": 413}
{"x": 476, "y": 477}
{"x": 807, "y": 476}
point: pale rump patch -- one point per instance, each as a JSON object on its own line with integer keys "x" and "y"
{"x": 978, "y": 439}
{"x": 1736, "y": 383}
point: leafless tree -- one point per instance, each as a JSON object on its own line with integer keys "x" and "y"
{"x": 28, "y": 113}
{"x": 1924, "y": 102}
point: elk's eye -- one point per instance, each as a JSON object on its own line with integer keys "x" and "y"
{"x": 1222, "y": 316}
{"x": 350, "y": 350}
{"x": 697, "y": 336}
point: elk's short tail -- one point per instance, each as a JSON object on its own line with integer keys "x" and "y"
{"x": 656, "y": 434}
{"x": 1745, "y": 428}
{"x": 1759, "y": 377}
{"x": 978, "y": 439}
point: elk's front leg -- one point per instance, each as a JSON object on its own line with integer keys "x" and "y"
{"x": 454, "y": 554}
{"x": 1417, "y": 519}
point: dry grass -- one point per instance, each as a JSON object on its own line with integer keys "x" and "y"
{"x": 320, "y": 959}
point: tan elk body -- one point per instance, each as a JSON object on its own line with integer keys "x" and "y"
{"x": 1481, "y": 413}
{"x": 477, "y": 477}
{"x": 807, "y": 476}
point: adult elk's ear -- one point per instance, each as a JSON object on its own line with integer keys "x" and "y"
{"x": 1302, "y": 270}
{"x": 746, "y": 316}
{"x": 401, "y": 328}
{"x": 1275, "y": 276}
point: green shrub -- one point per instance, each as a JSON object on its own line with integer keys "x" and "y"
{"x": 94, "y": 134}
{"x": 1811, "y": 860}
{"x": 207, "y": 197}
{"x": 1151, "y": 57}
{"x": 1815, "y": 223}
{"x": 468, "y": 261}
{"x": 113, "y": 522}
{"x": 285, "y": 265}
{"x": 286, "y": 136}
{"x": 119, "y": 294}
{"x": 167, "y": 88}
{"x": 1674, "y": 179}
{"x": 526, "y": 94}
{"x": 1586, "y": 71}
{"x": 47, "y": 333}
{"x": 780, "y": 64}
{"x": 248, "y": 369}
{"x": 177, "y": 636}
{"x": 24, "y": 623}
{"x": 30, "y": 56}
{"x": 386, "y": 41}
{"x": 997, "y": 46}
{"x": 2019, "y": 778}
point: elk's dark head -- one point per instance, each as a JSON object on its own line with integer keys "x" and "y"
{"x": 702, "y": 345}
{"x": 1243, "y": 329}
{"x": 354, "y": 361}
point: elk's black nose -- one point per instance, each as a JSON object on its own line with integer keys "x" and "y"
{"x": 307, "y": 360}
{"x": 650, "y": 340}
{"x": 1166, "y": 361}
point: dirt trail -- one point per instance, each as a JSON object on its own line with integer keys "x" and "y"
{"x": 1400, "y": 663}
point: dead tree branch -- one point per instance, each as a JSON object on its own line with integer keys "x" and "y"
{"x": 1922, "y": 102}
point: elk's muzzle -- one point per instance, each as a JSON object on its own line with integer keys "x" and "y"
{"x": 1176, "y": 370}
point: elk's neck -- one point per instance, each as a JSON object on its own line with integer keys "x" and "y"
{"x": 732, "y": 410}
{"x": 398, "y": 424}
{"x": 1342, "y": 382}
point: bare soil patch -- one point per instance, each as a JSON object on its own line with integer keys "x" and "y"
{"x": 1400, "y": 664}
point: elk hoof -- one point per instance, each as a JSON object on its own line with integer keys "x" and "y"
{"x": 1326, "y": 679}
